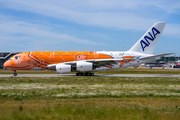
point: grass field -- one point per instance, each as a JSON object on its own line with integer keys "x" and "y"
{"x": 89, "y": 98}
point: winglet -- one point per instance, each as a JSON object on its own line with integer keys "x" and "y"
{"x": 148, "y": 41}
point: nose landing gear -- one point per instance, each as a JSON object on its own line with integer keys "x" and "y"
{"x": 84, "y": 74}
{"x": 15, "y": 74}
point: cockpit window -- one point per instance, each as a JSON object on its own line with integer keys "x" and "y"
{"x": 16, "y": 57}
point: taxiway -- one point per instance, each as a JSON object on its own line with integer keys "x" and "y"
{"x": 96, "y": 75}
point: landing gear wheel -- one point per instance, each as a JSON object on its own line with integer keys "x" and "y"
{"x": 88, "y": 74}
{"x": 15, "y": 74}
{"x": 92, "y": 74}
{"x": 84, "y": 74}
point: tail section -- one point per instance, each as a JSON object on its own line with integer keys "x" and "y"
{"x": 148, "y": 41}
{"x": 174, "y": 63}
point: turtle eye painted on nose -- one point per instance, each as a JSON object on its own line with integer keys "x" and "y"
{"x": 16, "y": 57}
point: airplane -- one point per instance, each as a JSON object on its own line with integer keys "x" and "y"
{"x": 176, "y": 64}
{"x": 85, "y": 62}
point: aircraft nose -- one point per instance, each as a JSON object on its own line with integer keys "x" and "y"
{"x": 6, "y": 64}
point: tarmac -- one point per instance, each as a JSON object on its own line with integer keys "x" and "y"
{"x": 96, "y": 75}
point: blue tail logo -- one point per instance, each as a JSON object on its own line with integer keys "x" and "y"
{"x": 146, "y": 41}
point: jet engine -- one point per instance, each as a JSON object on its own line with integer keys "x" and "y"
{"x": 61, "y": 68}
{"x": 80, "y": 66}
{"x": 84, "y": 66}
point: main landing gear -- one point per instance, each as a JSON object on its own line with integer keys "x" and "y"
{"x": 15, "y": 74}
{"x": 84, "y": 74}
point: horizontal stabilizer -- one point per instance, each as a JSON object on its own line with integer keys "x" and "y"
{"x": 155, "y": 56}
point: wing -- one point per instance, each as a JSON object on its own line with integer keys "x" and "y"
{"x": 96, "y": 62}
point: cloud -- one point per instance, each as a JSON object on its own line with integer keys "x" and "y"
{"x": 169, "y": 6}
{"x": 116, "y": 15}
{"x": 21, "y": 33}
{"x": 102, "y": 13}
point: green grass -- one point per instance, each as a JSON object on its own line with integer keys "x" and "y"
{"x": 89, "y": 98}
{"x": 107, "y": 108}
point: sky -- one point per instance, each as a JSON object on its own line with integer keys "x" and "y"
{"x": 86, "y": 25}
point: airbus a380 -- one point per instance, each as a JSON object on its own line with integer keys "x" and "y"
{"x": 84, "y": 62}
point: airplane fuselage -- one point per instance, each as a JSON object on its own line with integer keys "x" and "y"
{"x": 30, "y": 60}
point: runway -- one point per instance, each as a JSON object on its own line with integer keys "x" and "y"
{"x": 96, "y": 75}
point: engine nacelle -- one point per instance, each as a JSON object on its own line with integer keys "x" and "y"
{"x": 61, "y": 68}
{"x": 84, "y": 66}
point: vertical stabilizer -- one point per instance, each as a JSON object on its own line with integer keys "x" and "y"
{"x": 148, "y": 41}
